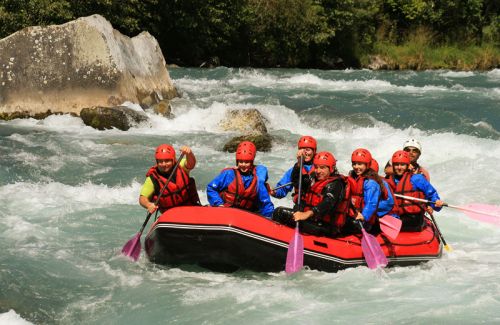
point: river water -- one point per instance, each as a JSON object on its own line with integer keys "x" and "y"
{"x": 68, "y": 202}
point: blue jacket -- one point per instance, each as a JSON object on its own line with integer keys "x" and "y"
{"x": 371, "y": 195}
{"x": 420, "y": 183}
{"x": 385, "y": 206}
{"x": 226, "y": 177}
{"x": 287, "y": 178}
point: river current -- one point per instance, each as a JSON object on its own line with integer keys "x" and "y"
{"x": 68, "y": 202}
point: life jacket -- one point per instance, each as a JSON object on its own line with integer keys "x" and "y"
{"x": 175, "y": 193}
{"x": 236, "y": 195}
{"x": 404, "y": 187}
{"x": 358, "y": 198}
{"x": 305, "y": 173}
{"x": 417, "y": 169}
{"x": 314, "y": 196}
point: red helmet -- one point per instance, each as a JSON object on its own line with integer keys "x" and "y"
{"x": 246, "y": 150}
{"x": 325, "y": 158}
{"x": 165, "y": 151}
{"x": 307, "y": 141}
{"x": 361, "y": 155}
{"x": 401, "y": 157}
{"x": 374, "y": 165}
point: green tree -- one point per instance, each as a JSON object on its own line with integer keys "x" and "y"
{"x": 17, "y": 14}
{"x": 193, "y": 31}
{"x": 281, "y": 32}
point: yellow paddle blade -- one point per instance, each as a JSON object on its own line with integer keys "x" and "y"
{"x": 448, "y": 248}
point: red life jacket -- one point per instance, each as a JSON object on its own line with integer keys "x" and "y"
{"x": 314, "y": 196}
{"x": 305, "y": 173}
{"x": 236, "y": 195}
{"x": 358, "y": 198}
{"x": 175, "y": 194}
{"x": 404, "y": 187}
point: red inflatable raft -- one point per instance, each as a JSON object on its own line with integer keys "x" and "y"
{"x": 227, "y": 239}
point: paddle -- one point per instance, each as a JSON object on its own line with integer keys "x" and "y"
{"x": 373, "y": 253}
{"x": 281, "y": 186}
{"x": 481, "y": 212}
{"x": 390, "y": 226}
{"x": 132, "y": 248}
{"x": 295, "y": 254}
{"x": 448, "y": 248}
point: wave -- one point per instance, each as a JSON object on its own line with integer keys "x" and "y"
{"x": 244, "y": 78}
{"x": 12, "y": 318}
{"x": 457, "y": 74}
{"x": 493, "y": 75}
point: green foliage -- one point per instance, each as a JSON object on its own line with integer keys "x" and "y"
{"x": 281, "y": 32}
{"x": 193, "y": 31}
{"x": 290, "y": 33}
{"x": 17, "y": 14}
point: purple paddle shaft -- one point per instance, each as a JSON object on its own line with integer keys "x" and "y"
{"x": 374, "y": 255}
{"x": 132, "y": 248}
{"x": 295, "y": 254}
{"x": 390, "y": 226}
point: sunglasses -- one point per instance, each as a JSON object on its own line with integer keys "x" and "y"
{"x": 411, "y": 150}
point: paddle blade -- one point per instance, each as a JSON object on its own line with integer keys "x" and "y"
{"x": 132, "y": 248}
{"x": 374, "y": 255}
{"x": 483, "y": 212}
{"x": 295, "y": 254}
{"x": 390, "y": 226}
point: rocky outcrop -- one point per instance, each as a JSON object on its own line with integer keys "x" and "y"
{"x": 120, "y": 117}
{"x": 163, "y": 108}
{"x": 83, "y": 63}
{"x": 244, "y": 120}
{"x": 251, "y": 123}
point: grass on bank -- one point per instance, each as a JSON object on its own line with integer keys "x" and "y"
{"x": 419, "y": 53}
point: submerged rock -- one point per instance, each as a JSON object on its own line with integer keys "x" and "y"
{"x": 120, "y": 117}
{"x": 263, "y": 142}
{"x": 83, "y": 63}
{"x": 163, "y": 108}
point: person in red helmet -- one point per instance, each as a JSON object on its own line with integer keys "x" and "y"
{"x": 307, "y": 147}
{"x": 414, "y": 149}
{"x": 367, "y": 191}
{"x": 404, "y": 182}
{"x": 239, "y": 186}
{"x": 325, "y": 203}
{"x": 181, "y": 190}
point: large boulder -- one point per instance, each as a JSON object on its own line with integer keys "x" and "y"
{"x": 83, "y": 63}
{"x": 244, "y": 120}
{"x": 251, "y": 126}
{"x": 120, "y": 117}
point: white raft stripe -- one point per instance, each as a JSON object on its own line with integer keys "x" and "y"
{"x": 422, "y": 258}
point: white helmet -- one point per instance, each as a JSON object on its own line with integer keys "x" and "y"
{"x": 413, "y": 143}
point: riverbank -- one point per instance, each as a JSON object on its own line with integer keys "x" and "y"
{"x": 421, "y": 56}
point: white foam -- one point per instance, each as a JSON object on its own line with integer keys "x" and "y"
{"x": 12, "y": 318}
{"x": 134, "y": 106}
{"x": 55, "y": 195}
{"x": 493, "y": 75}
{"x": 457, "y": 74}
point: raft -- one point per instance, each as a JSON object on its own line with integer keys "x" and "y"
{"x": 228, "y": 239}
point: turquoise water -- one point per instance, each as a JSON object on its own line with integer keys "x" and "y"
{"x": 68, "y": 198}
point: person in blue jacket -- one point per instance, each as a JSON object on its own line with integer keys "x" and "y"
{"x": 385, "y": 206}
{"x": 404, "y": 182}
{"x": 240, "y": 186}
{"x": 367, "y": 191}
{"x": 307, "y": 146}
